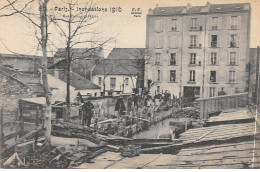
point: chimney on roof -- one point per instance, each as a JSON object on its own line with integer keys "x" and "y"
{"x": 150, "y": 11}
{"x": 157, "y": 5}
{"x": 208, "y": 4}
{"x": 188, "y": 6}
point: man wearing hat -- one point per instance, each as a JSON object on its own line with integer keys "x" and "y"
{"x": 120, "y": 106}
{"x": 87, "y": 109}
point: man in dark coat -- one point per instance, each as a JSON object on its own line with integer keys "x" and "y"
{"x": 87, "y": 110}
{"x": 120, "y": 106}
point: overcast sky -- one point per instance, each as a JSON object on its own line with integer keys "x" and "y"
{"x": 128, "y": 31}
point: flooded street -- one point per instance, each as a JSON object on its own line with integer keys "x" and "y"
{"x": 160, "y": 128}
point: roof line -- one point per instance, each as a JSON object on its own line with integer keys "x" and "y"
{"x": 8, "y": 75}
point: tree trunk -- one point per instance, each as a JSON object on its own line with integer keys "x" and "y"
{"x": 68, "y": 51}
{"x": 47, "y": 92}
{"x": 104, "y": 88}
{"x": 68, "y": 86}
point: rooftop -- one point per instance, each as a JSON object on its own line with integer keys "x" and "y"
{"x": 25, "y": 57}
{"x": 208, "y": 8}
{"x": 116, "y": 67}
{"x": 78, "y": 81}
{"x": 80, "y": 53}
{"x": 127, "y": 53}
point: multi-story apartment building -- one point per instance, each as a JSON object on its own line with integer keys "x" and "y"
{"x": 198, "y": 51}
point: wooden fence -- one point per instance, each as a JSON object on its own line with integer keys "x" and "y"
{"x": 215, "y": 104}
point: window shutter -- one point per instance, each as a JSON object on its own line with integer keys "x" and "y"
{"x": 228, "y": 57}
{"x": 218, "y": 59}
{"x": 227, "y": 77}
{"x": 160, "y": 41}
{"x": 236, "y": 72}
{"x": 238, "y": 40}
{"x": 160, "y": 25}
{"x": 209, "y": 58}
{"x": 161, "y": 75}
{"x": 178, "y": 25}
{"x": 229, "y": 22}
{"x": 210, "y": 23}
{"x": 177, "y": 59}
{"x": 239, "y": 22}
{"x": 155, "y": 24}
{"x": 219, "y": 22}
{"x": 169, "y": 25}
{"x": 208, "y": 76}
{"x": 165, "y": 41}
{"x": 237, "y": 58}
{"x": 168, "y": 76}
{"x": 176, "y": 42}
{"x": 219, "y": 43}
{"x": 209, "y": 40}
{"x": 170, "y": 41}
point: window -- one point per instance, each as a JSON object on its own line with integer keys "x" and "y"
{"x": 192, "y": 75}
{"x": 232, "y": 61}
{"x": 193, "y": 23}
{"x": 212, "y": 91}
{"x": 213, "y": 77}
{"x": 173, "y": 60}
{"x": 213, "y": 59}
{"x": 158, "y": 26}
{"x": 158, "y": 41}
{"x": 193, "y": 58}
{"x": 127, "y": 81}
{"x": 172, "y": 75}
{"x": 173, "y": 42}
{"x": 174, "y": 25}
{"x": 214, "y": 40}
{"x": 234, "y": 22}
{"x": 159, "y": 75}
{"x": 193, "y": 39}
{"x": 157, "y": 58}
{"x": 214, "y": 23}
{"x": 232, "y": 76}
{"x": 112, "y": 83}
{"x": 95, "y": 94}
{"x": 99, "y": 80}
{"x": 233, "y": 40}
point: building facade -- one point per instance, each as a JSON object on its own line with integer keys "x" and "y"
{"x": 198, "y": 51}
{"x": 116, "y": 76}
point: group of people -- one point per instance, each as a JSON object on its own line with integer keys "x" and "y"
{"x": 133, "y": 102}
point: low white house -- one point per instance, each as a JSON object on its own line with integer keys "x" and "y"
{"x": 115, "y": 75}
{"x": 81, "y": 85}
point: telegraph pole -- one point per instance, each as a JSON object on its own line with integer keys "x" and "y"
{"x": 257, "y": 88}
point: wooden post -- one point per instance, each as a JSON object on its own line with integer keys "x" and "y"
{"x": 21, "y": 118}
{"x": 257, "y": 88}
{"x": 2, "y": 141}
{"x": 37, "y": 125}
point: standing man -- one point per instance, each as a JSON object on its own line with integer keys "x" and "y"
{"x": 87, "y": 109}
{"x": 120, "y": 106}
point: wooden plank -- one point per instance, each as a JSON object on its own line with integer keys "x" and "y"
{"x": 22, "y": 138}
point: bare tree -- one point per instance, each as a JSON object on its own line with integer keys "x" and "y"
{"x": 40, "y": 22}
{"x": 71, "y": 29}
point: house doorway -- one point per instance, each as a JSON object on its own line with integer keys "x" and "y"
{"x": 191, "y": 93}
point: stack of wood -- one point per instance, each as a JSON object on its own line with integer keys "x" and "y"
{"x": 74, "y": 131}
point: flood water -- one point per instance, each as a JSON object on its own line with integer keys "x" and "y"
{"x": 160, "y": 128}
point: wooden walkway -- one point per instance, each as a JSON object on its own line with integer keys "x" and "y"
{"x": 232, "y": 146}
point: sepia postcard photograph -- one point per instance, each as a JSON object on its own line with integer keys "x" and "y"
{"x": 129, "y": 84}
